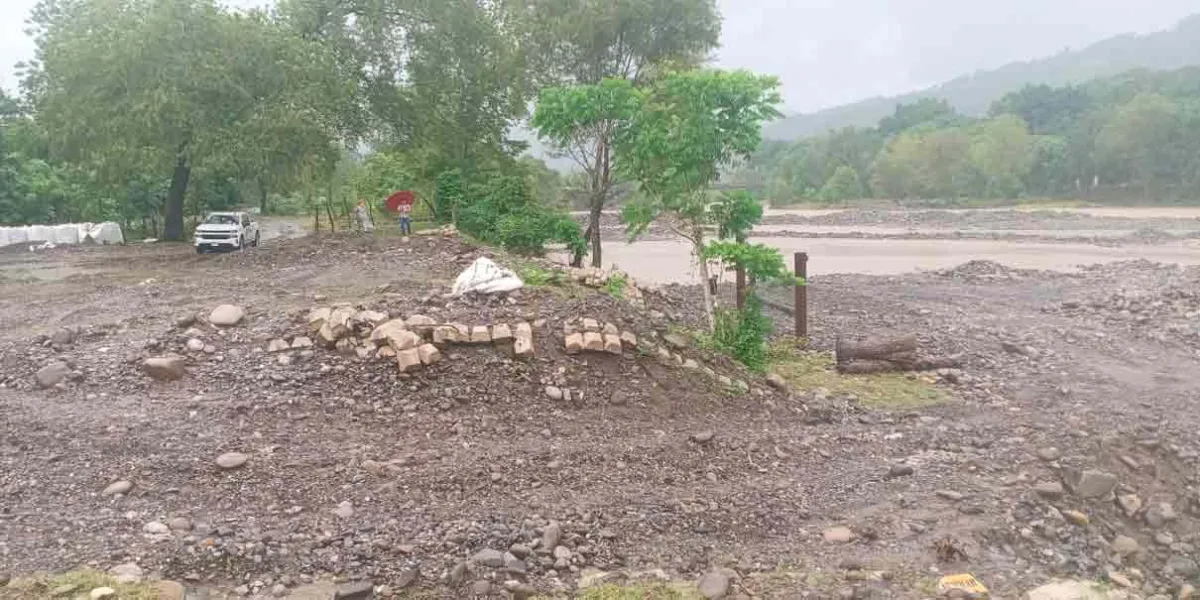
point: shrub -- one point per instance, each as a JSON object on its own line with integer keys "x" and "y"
{"x": 502, "y": 210}
{"x": 743, "y": 334}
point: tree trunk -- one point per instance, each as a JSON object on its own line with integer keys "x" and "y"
{"x": 890, "y": 349}
{"x": 173, "y": 229}
{"x": 594, "y": 231}
{"x": 710, "y": 311}
{"x": 600, "y": 184}
{"x": 262, "y": 198}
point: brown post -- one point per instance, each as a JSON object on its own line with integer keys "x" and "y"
{"x": 801, "y": 295}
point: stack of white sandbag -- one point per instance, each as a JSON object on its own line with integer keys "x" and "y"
{"x": 66, "y": 234}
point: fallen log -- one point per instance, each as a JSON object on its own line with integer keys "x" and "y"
{"x": 883, "y": 355}
{"x": 897, "y": 349}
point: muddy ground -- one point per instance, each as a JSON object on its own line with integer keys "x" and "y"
{"x": 1089, "y": 376}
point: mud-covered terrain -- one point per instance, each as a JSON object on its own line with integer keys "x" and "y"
{"x": 1066, "y": 446}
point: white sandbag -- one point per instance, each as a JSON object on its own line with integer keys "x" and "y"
{"x": 82, "y": 230}
{"x": 41, "y": 233}
{"x": 65, "y": 235}
{"x": 4, "y": 236}
{"x": 486, "y": 277}
{"x": 106, "y": 233}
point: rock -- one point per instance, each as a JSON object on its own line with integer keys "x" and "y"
{"x": 702, "y": 437}
{"x": 179, "y": 524}
{"x": 279, "y": 590}
{"x": 777, "y": 381}
{"x": 1119, "y": 579}
{"x": 421, "y": 324}
{"x": 52, "y": 374}
{"x": 691, "y": 365}
{"x": 127, "y": 573}
{"x": 1130, "y": 503}
{"x": 64, "y": 589}
{"x": 195, "y": 345}
{"x": 429, "y": 354}
{"x": 675, "y": 341}
{"x": 950, "y": 495}
{"x": 899, "y": 471}
{"x": 444, "y": 335}
{"x": 481, "y": 335}
{"x": 356, "y": 590}
{"x": 318, "y": 318}
{"x": 512, "y": 564}
{"x": 118, "y": 487}
{"x": 1049, "y": 454}
{"x": 562, "y": 553}
{"x": 1125, "y": 545}
{"x": 520, "y": 591}
{"x": 502, "y": 334}
{"x": 1159, "y": 514}
{"x": 170, "y": 590}
{"x": 1076, "y": 518}
{"x": 610, "y": 329}
{"x": 1182, "y": 566}
{"x": 232, "y": 460}
{"x": 459, "y": 572}
{"x": 593, "y": 342}
{"x": 612, "y": 343}
{"x": 401, "y": 340}
{"x": 407, "y": 577}
{"x": 481, "y": 589}
{"x": 102, "y": 592}
{"x": 489, "y": 558}
{"x": 371, "y": 317}
{"x": 226, "y": 315}
{"x": 629, "y": 339}
{"x": 591, "y": 325}
{"x": 156, "y": 528}
{"x": 242, "y": 590}
{"x": 520, "y": 551}
{"x": 523, "y": 341}
{"x": 838, "y": 535}
{"x": 344, "y": 510}
{"x": 278, "y": 345}
{"x": 714, "y": 584}
{"x": 574, "y": 343}
{"x": 1052, "y": 490}
{"x": 1068, "y": 590}
{"x": 408, "y": 360}
{"x": 185, "y": 321}
{"x": 1090, "y": 483}
{"x": 554, "y": 393}
{"x": 551, "y": 535}
{"x": 169, "y": 368}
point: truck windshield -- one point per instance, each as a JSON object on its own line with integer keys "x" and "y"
{"x": 220, "y": 220}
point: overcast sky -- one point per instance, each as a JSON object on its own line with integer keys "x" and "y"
{"x": 829, "y": 52}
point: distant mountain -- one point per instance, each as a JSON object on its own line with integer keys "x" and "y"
{"x": 973, "y": 94}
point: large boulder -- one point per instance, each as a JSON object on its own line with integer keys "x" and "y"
{"x": 52, "y": 374}
{"x": 169, "y": 368}
{"x": 226, "y": 315}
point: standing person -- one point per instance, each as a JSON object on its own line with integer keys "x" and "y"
{"x": 364, "y": 217}
{"x": 406, "y": 219}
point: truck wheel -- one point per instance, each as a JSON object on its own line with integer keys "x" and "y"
{"x": 199, "y": 249}
{"x": 241, "y": 243}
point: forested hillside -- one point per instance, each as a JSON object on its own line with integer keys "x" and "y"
{"x": 974, "y": 94}
{"x": 1135, "y": 136}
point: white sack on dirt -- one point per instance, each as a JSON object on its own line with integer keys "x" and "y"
{"x": 67, "y": 234}
{"x": 486, "y": 277}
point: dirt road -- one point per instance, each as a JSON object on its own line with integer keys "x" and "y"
{"x": 1065, "y": 447}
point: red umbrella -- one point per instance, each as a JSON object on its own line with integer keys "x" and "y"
{"x": 401, "y": 198}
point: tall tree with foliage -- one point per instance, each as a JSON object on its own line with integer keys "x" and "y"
{"x": 172, "y": 85}
{"x": 589, "y": 43}
{"x": 691, "y": 126}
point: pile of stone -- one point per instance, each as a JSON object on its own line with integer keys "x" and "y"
{"x": 604, "y": 278}
{"x": 414, "y": 342}
{"x": 589, "y": 335}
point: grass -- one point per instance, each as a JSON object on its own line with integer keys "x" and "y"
{"x": 811, "y": 369}
{"x": 615, "y": 286}
{"x": 37, "y": 587}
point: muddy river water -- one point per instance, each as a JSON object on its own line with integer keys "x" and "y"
{"x": 670, "y": 261}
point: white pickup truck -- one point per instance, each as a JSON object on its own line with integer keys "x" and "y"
{"x": 226, "y": 231}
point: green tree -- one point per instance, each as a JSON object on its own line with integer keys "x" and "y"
{"x": 844, "y": 185}
{"x": 933, "y": 111}
{"x": 169, "y": 86}
{"x": 605, "y": 47}
{"x": 1139, "y": 139}
{"x": 691, "y": 126}
{"x": 1001, "y": 151}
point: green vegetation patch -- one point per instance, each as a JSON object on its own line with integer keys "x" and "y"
{"x": 74, "y": 584}
{"x": 811, "y": 369}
